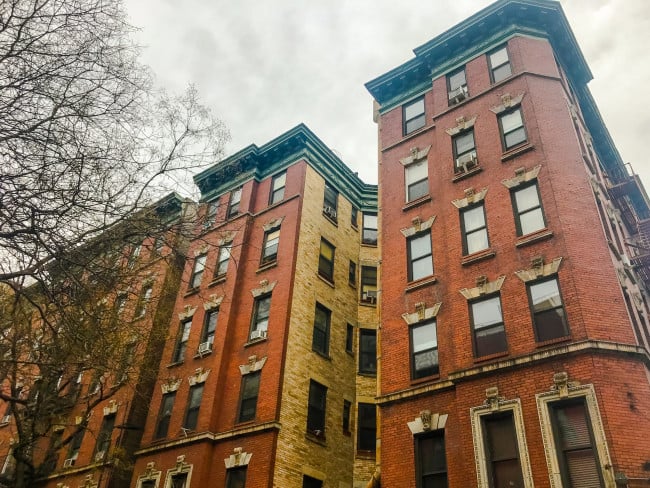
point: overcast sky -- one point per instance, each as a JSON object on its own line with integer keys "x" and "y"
{"x": 264, "y": 66}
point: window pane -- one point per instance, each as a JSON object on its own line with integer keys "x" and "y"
{"x": 421, "y": 268}
{"x": 414, "y": 109}
{"x": 487, "y": 312}
{"x": 545, "y": 295}
{"x": 368, "y": 351}
{"x": 415, "y": 124}
{"x": 474, "y": 218}
{"x": 414, "y": 172}
{"x": 432, "y": 459}
{"x": 511, "y": 121}
{"x": 418, "y": 190}
{"x": 464, "y": 142}
{"x": 477, "y": 241}
{"x": 515, "y": 137}
{"x": 424, "y": 337}
{"x": 425, "y": 363}
{"x": 531, "y": 221}
{"x": 420, "y": 246}
{"x": 551, "y": 324}
{"x": 499, "y": 57}
{"x": 236, "y": 478}
{"x": 501, "y": 73}
{"x": 456, "y": 80}
{"x": 491, "y": 341}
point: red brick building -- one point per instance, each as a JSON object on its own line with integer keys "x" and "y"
{"x": 514, "y": 321}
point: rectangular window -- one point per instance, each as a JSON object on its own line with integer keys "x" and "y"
{"x": 457, "y": 86}
{"x": 424, "y": 347}
{"x": 75, "y": 444}
{"x": 233, "y": 204}
{"x": 197, "y": 270}
{"x": 209, "y": 328}
{"x": 260, "y": 322}
{"x": 352, "y": 274}
{"x": 134, "y": 254}
{"x": 369, "y": 284}
{"x": 487, "y": 327}
{"x": 250, "y": 386}
{"x": 511, "y": 125}
{"x": 236, "y": 477}
{"x": 431, "y": 460}
{"x": 104, "y": 437}
{"x": 193, "y": 405}
{"x": 326, "y": 260}
{"x": 420, "y": 259}
{"x": 354, "y": 217}
{"x": 179, "y": 481}
{"x": 464, "y": 148}
{"x": 368, "y": 351}
{"x": 549, "y": 317}
{"x": 413, "y": 115}
{"x": 369, "y": 233}
{"x": 316, "y": 408}
{"x": 309, "y": 482}
{"x": 367, "y": 427}
{"x": 181, "y": 341}
{"x": 148, "y": 484}
{"x": 278, "y": 184}
{"x": 575, "y": 446}
{"x": 499, "y": 64}
{"x": 330, "y": 202}
{"x": 347, "y": 407}
{"x": 270, "y": 246}
{"x": 417, "y": 180}
{"x": 349, "y": 338}
{"x": 165, "y": 414}
{"x": 143, "y": 302}
{"x": 474, "y": 229}
{"x": 527, "y": 205}
{"x": 211, "y": 213}
{"x": 501, "y": 452}
{"x": 321, "y": 339}
{"x": 222, "y": 260}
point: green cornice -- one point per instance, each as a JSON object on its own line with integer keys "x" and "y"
{"x": 257, "y": 163}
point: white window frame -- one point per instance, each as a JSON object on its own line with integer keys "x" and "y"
{"x": 180, "y": 468}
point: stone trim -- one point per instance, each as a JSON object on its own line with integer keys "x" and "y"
{"x": 461, "y": 124}
{"x": 265, "y": 287}
{"x": 226, "y": 238}
{"x": 188, "y": 312}
{"x": 421, "y": 313}
{"x": 418, "y": 226}
{"x": 199, "y": 376}
{"x": 111, "y": 408}
{"x": 471, "y": 197}
{"x": 561, "y": 389}
{"x": 150, "y": 473}
{"x": 89, "y": 482}
{"x": 483, "y": 287}
{"x": 522, "y": 175}
{"x": 238, "y": 458}
{"x": 539, "y": 269}
{"x": 201, "y": 250}
{"x": 427, "y": 421}
{"x": 507, "y": 102}
{"x": 171, "y": 384}
{"x": 253, "y": 365}
{"x": 273, "y": 224}
{"x": 494, "y": 404}
{"x": 213, "y": 302}
{"x": 416, "y": 155}
{"x": 180, "y": 468}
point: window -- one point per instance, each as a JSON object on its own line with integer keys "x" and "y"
{"x": 420, "y": 262}
{"x": 270, "y": 246}
{"x": 250, "y": 385}
{"x": 165, "y": 414}
{"x": 321, "y": 339}
{"x": 326, "y": 260}
{"x": 134, "y": 254}
{"x": 369, "y": 284}
{"x": 330, "y": 201}
{"x": 179, "y": 481}
{"x": 222, "y": 260}
{"x": 211, "y": 213}
{"x": 145, "y": 297}
{"x": 309, "y": 482}
{"x": 193, "y": 405}
{"x": 347, "y": 406}
{"x": 260, "y": 322}
{"x": 104, "y": 437}
{"x": 354, "y": 217}
{"x": 120, "y": 303}
{"x": 499, "y": 64}
{"x": 316, "y": 408}
{"x": 501, "y": 452}
{"x": 430, "y": 460}
{"x": 236, "y": 477}
{"x": 181, "y": 341}
{"x": 278, "y": 184}
{"x": 424, "y": 347}
{"x": 158, "y": 246}
{"x": 367, "y": 427}
{"x": 488, "y": 329}
{"x": 369, "y": 234}
{"x": 148, "y": 484}
{"x": 233, "y": 205}
{"x": 457, "y": 86}
{"x": 352, "y": 274}
{"x": 197, "y": 271}
{"x": 368, "y": 351}
{"x": 529, "y": 216}
{"x": 349, "y": 338}
{"x": 574, "y": 443}
{"x": 549, "y": 318}
{"x": 209, "y": 327}
{"x": 512, "y": 128}
{"x": 474, "y": 229}
{"x": 413, "y": 115}
{"x": 417, "y": 181}
{"x": 75, "y": 444}
{"x": 464, "y": 149}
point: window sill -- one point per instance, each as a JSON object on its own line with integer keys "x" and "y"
{"x": 322, "y": 354}
{"x": 334, "y": 222}
{"x": 265, "y": 266}
{"x": 252, "y": 342}
{"x": 490, "y": 357}
{"x": 415, "y": 285}
{"x": 325, "y": 279}
{"x": 478, "y": 256}
{"x": 347, "y": 433}
{"x": 318, "y": 439}
{"x": 368, "y": 304}
{"x": 368, "y": 244}
{"x": 533, "y": 237}
{"x": 416, "y": 203}
{"x": 425, "y": 379}
{"x": 366, "y": 454}
{"x": 470, "y": 172}
{"x": 367, "y": 374}
{"x": 516, "y": 151}
{"x": 554, "y": 341}
{"x": 217, "y": 280}
{"x": 200, "y": 356}
{"x": 176, "y": 364}
{"x": 352, "y": 285}
{"x": 354, "y": 227}
{"x": 244, "y": 423}
{"x": 192, "y": 291}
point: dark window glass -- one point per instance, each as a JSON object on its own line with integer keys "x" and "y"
{"x": 368, "y": 284}
{"x": 75, "y": 444}
{"x": 354, "y": 217}
{"x": 431, "y": 461}
{"x": 464, "y": 151}
{"x": 499, "y": 64}
{"x": 419, "y": 256}
{"x": 321, "y": 339}
{"x": 413, "y": 115}
{"x": 527, "y": 205}
{"x": 417, "y": 180}
{"x": 250, "y": 385}
{"x": 148, "y": 484}
{"x": 104, "y": 437}
{"x": 512, "y": 128}
{"x": 549, "y": 318}
{"x": 330, "y": 202}
{"x": 368, "y": 351}
{"x": 211, "y": 213}
{"x": 277, "y": 188}
{"x": 270, "y": 246}
{"x": 457, "y": 86}
{"x": 236, "y": 478}
{"x": 165, "y": 414}
{"x": 424, "y": 347}
{"x": 261, "y": 312}
{"x": 501, "y": 452}
{"x": 181, "y": 341}
{"x": 179, "y": 481}
{"x": 349, "y": 338}
{"x": 197, "y": 271}
{"x": 474, "y": 229}
{"x": 366, "y": 427}
{"x": 316, "y": 408}
{"x": 233, "y": 205}
{"x": 488, "y": 329}
{"x": 143, "y": 302}
{"x": 347, "y": 407}
{"x": 209, "y": 327}
{"x": 352, "y": 274}
{"x": 369, "y": 232}
{"x": 326, "y": 260}
{"x": 309, "y": 482}
{"x": 193, "y": 405}
{"x": 222, "y": 260}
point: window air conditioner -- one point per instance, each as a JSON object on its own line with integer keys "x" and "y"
{"x": 99, "y": 456}
{"x": 466, "y": 161}
{"x": 329, "y": 211}
{"x": 5, "y": 419}
{"x": 258, "y": 334}
{"x": 68, "y": 463}
{"x": 205, "y": 347}
{"x": 458, "y": 95}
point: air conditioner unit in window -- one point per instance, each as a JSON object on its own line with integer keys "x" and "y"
{"x": 68, "y": 463}
{"x": 99, "y": 456}
{"x": 330, "y": 212}
{"x": 258, "y": 334}
{"x": 369, "y": 297}
{"x": 466, "y": 161}
{"x": 458, "y": 95}
{"x": 204, "y": 348}
{"x": 5, "y": 419}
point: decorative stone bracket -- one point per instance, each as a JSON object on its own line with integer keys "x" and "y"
{"x": 461, "y": 124}
{"x": 238, "y": 458}
{"x": 483, "y": 287}
{"x": 213, "y": 302}
{"x": 187, "y": 312}
{"x": 273, "y": 224}
{"x": 111, "y": 408}
{"x": 199, "y": 376}
{"x": 415, "y": 155}
{"x": 471, "y": 197}
{"x": 253, "y": 365}
{"x": 418, "y": 226}
{"x": 171, "y": 384}
{"x": 265, "y": 287}
{"x": 507, "y": 102}
{"x": 539, "y": 269}
{"x": 427, "y": 421}
{"x": 522, "y": 175}
{"x": 421, "y": 313}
